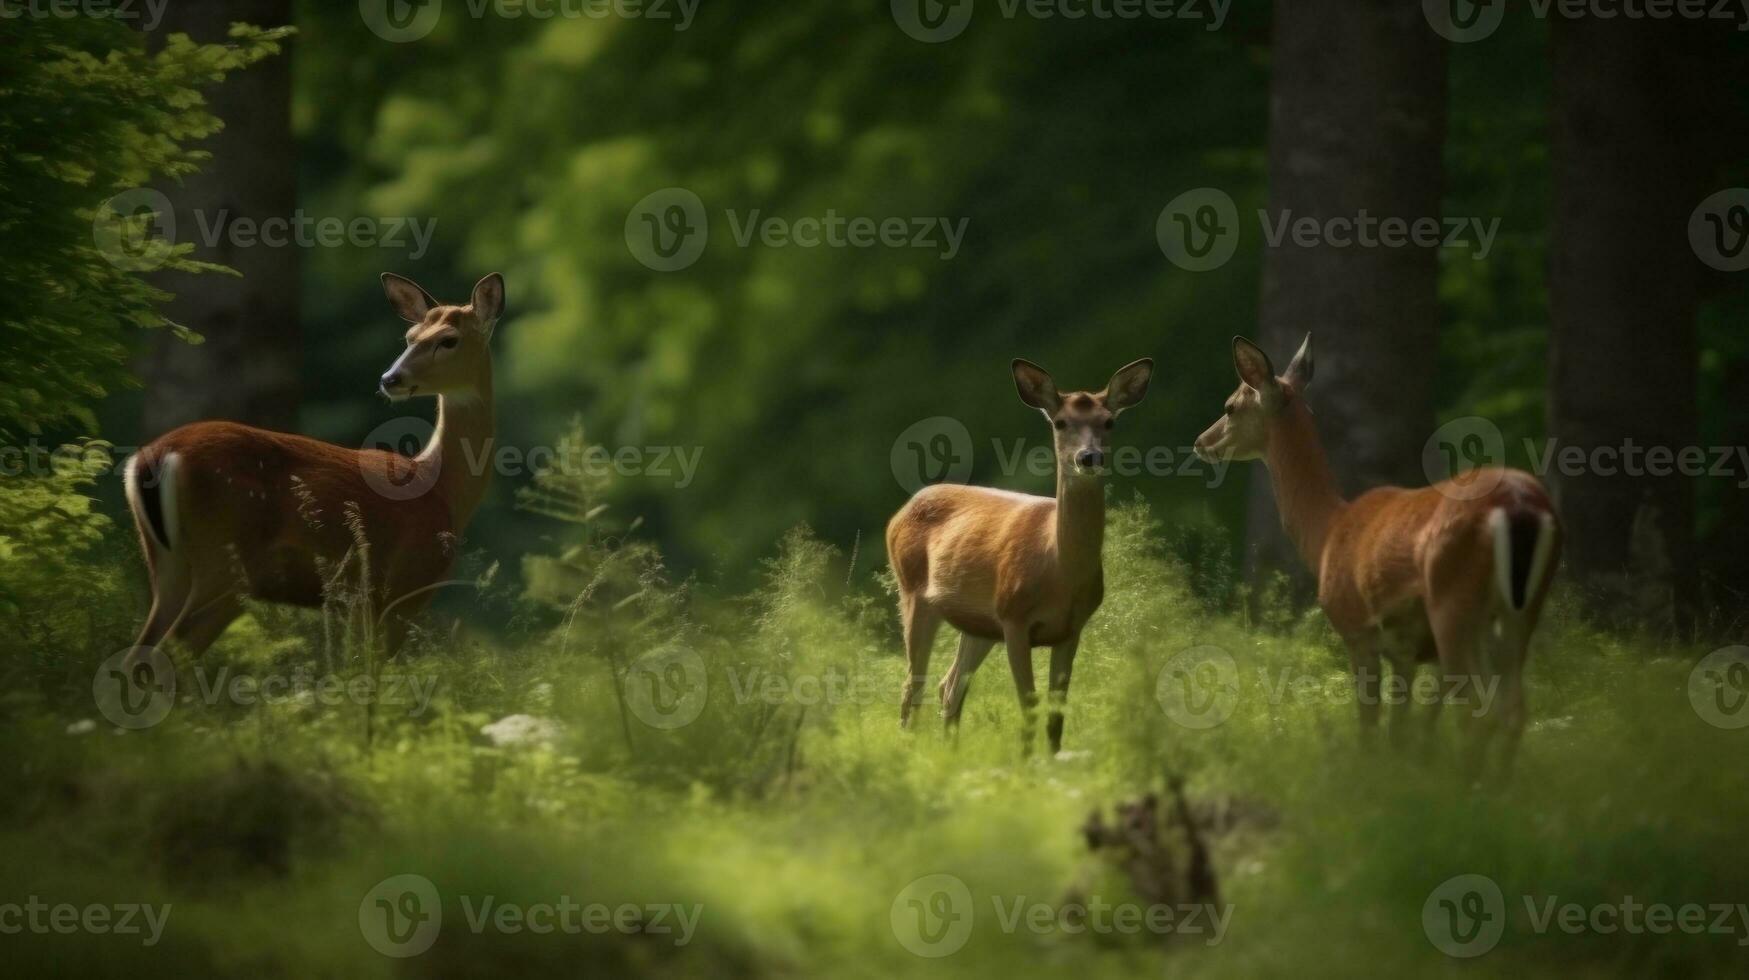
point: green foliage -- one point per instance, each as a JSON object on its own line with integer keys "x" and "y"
{"x": 45, "y": 516}
{"x": 794, "y": 819}
{"x": 790, "y": 807}
{"x": 87, "y": 113}
{"x": 603, "y": 565}
{"x": 762, "y": 357}
{"x": 530, "y": 141}
{"x": 52, "y": 534}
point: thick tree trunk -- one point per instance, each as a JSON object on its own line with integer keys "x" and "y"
{"x": 1623, "y": 289}
{"x": 1730, "y": 543}
{"x": 1356, "y": 127}
{"x": 248, "y": 367}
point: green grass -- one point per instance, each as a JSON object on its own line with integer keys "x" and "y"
{"x": 794, "y": 827}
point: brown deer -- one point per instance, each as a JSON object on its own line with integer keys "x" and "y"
{"x": 226, "y": 510}
{"x": 1012, "y": 567}
{"x": 1455, "y": 573}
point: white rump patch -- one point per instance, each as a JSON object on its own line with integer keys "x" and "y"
{"x": 167, "y": 497}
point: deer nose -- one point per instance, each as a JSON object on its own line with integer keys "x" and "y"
{"x": 390, "y": 380}
{"x": 1089, "y": 459}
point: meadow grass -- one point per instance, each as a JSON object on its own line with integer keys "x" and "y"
{"x": 794, "y": 816}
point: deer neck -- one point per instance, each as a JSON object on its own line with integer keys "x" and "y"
{"x": 1080, "y": 525}
{"x": 461, "y": 447}
{"x": 1299, "y": 472}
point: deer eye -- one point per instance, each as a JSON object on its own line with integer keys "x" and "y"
{"x": 1061, "y": 424}
{"x": 448, "y": 343}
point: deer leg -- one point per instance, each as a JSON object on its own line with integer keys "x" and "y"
{"x": 1019, "y": 643}
{"x": 1430, "y": 742}
{"x": 1457, "y": 635}
{"x": 1363, "y": 662}
{"x": 1506, "y": 649}
{"x": 1428, "y": 651}
{"x": 972, "y": 651}
{"x": 1062, "y": 663}
{"x": 1512, "y": 714}
{"x": 1400, "y": 692}
{"x": 394, "y": 630}
{"x": 920, "y": 624}
{"x": 205, "y": 622}
{"x": 171, "y": 595}
{"x": 165, "y": 611}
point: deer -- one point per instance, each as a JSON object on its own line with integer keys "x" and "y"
{"x": 1454, "y": 574}
{"x": 225, "y": 510}
{"x": 1019, "y": 569}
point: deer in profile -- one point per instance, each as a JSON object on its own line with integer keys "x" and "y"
{"x": 226, "y": 510}
{"x": 1454, "y": 574}
{"x": 1013, "y": 568}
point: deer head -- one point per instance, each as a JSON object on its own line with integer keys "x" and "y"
{"x": 447, "y": 346}
{"x": 1243, "y": 430}
{"x": 1081, "y": 421}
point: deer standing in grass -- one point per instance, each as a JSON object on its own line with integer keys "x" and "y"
{"x": 1455, "y": 573}
{"x": 1013, "y": 568}
{"x": 226, "y": 510}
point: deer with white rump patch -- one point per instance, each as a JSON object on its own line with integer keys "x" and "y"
{"x": 1013, "y": 568}
{"x": 225, "y": 510}
{"x": 1455, "y": 573}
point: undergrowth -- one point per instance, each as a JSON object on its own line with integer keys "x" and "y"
{"x": 741, "y": 756}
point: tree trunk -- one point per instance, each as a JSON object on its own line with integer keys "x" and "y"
{"x": 248, "y": 368}
{"x": 1730, "y": 545}
{"x": 1356, "y": 127}
{"x": 1628, "y": 171}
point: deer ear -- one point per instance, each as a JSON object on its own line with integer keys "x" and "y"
{"x": 488, "y": 301}
{"x": 1253, "y": 365}
{"x": 1129, "y": 384}
{"x": 1299, "y": 370}
{"x": 409, "y": 302}
{"x": 1036, "y": 387}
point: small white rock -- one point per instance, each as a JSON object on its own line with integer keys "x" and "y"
{"x": 523, "y": 731}
{"x": 84, "y": 726}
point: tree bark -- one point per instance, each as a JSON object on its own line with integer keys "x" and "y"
{"x": 1356, "y": 128}
{"x": 248, "y": 368}
{"x": 1730, "y": 545}
{"x": 1627, "y": 154}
